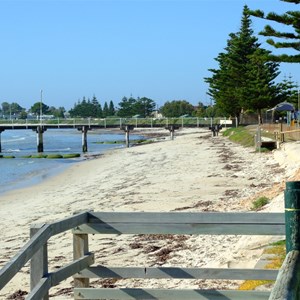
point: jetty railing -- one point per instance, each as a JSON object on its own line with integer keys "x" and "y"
{"x": 177, "y": 223}
{"x": 120, "y": 122}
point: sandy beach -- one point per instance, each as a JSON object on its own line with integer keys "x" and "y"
{"x": 194, "y": 172}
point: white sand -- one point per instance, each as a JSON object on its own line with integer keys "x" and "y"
{"x": 194, "y": 172}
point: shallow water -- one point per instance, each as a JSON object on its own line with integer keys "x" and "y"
{"x": 20, "y": 172}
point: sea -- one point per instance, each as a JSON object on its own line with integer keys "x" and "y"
{"x": 21, "y": 172}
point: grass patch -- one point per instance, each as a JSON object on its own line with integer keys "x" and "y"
{"x": 260, "y": 202}
{"x": 250, "y": 285}
{"x": 7, "y": 156}
{"x": 240, "y": 135}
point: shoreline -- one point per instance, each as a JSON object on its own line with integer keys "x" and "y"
{"x": 195, "y": 172}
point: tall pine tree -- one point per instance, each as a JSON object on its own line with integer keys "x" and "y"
{"x": 243, "y": 74}
{"x": 105, "y": 110}
{"x": 279, "y": 39}
{"x": 111, "y": 108}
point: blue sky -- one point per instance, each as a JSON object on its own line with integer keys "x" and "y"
{"x": 160, "y": 49}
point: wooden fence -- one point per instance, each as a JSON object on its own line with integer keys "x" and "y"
{"x": 82, "y": 268}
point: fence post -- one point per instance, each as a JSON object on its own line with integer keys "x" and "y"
{"x": 80, "y": 248}
{"x": 38, "y": 262}
{"x": 292, "y": 215}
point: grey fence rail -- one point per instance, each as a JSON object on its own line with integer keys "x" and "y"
{"x": 83, "y": 268}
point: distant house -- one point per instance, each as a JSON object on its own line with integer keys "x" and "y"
{"x": 156, "y": 114}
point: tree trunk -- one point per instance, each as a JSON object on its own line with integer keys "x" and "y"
{"x": 259, "y": 117}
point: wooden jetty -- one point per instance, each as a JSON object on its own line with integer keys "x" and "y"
{"x": 286, "y": 286}
{"x": 84, "y": 125}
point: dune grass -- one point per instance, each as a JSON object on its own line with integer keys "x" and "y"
{"x": 240, "y": 135}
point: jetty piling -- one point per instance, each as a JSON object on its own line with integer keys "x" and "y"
{"x": 172, "y": 129}
{"x": 1, "y": 130}
{"x": 127, "y": 129}
{"x": 40, "y": 143}
{"x": 84, "y": 131}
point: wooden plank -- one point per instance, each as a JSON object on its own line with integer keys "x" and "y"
{"x": 42, "y": 287}
{"x": 38, "y": 263}
{"x": 287, "y": 285}
{"x": 181, "y": 217}
{"x": 182, "y": 273}
{"x": 72, "y": 268}
{"x": 175, "y": 294}
{"x": 35, "y": 243}
{"x": 40, "y": 290}
{"x": 80, "y": 248}
{"x": 23, "y": 256}
{"x": 211, "y": 229}
{"x": 290, "y": 131}
{"x": 69, "y": 223}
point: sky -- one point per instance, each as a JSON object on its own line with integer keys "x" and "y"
{"x": 62, "y": 51}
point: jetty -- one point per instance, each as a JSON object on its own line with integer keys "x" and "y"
{"x": 123, "y": 124}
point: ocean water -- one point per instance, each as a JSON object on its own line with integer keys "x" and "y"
{"x": 21, "y": 172}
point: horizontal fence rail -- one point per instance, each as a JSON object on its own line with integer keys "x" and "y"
{"x": 178, "y": 273}
{"x": 83, "y": 268}
{"x": 185, "y": 223}
{"x": 149, "y": 294}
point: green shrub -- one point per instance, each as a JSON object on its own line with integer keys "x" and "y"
{"x": 260, "y": 202}
{"x": 8, "y": 156}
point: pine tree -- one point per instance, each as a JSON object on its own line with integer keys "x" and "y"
{"x": 243, "y": 69}
{"x": 111, "y": 109}
{"x": 105, "y": 112}
{"x": 289, "y": 91}
{"x": 260, "y": 91}
{"x": 144, "y": 106}
{"x": 283, "y": 40}
{"x": 245, "y": 78}
{"x": 229, "y": 80}
{"x": 127, "y": 107}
